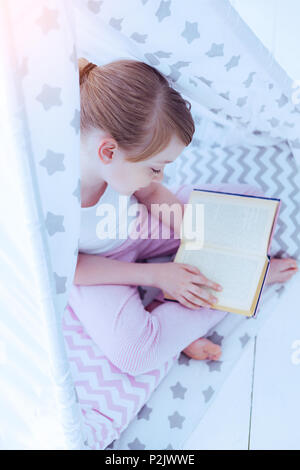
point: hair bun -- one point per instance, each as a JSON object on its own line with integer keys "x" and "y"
{"x": 84, "y": 71}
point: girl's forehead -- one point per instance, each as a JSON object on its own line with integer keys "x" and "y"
{"x": 170, "y": 153}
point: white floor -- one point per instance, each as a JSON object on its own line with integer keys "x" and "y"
{"x": 259, "y": 404}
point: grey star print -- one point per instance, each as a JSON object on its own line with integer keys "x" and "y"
{"x": 139, "y": 37}
{"x": 50, "y": 96}
{"x": 282, "y": 100}
{"x": 178, "y": 391}
{"x": 111, "y": 445}
{"x": 175, "y": 73}
{"x": 183, "y": 359}
{"x": 225, "y": 95}
{"x": 152, "y": 59}
{"x": 295, "y": 143}
{"x": 163, "y": 55}
{"x": 144, "y": 413}
{"x": 94, "y": 6}
{"x": 176, "y": 420}
{"x": 214, "y": 365}
{"x": 76, "y": 121}
{"x": 205, "y": 80}
{"x": 169, "y": 447}
{"x": 136, "y": 445}
{"x": 163, "y": 10}
{"x": 234, "y": 61}
{"x": 76, "y": 193}
{"x": 242, "y": 101}
{"x": 215, "y": 338}
{"x": 274, "y": 122}
{"x": 215, "y": 110}
{"x": 190, "y": 32}
{"x": 244, "y": 339}
{"x": 216, "y": 50}
{"x": 208, "y": 393}
{"x": 249, "y": 80}
{"x": 116, "y": 23}
{"x": 53, "y": 162}
{"x": 60, "y": 282}
{"x": 54, "y": 223}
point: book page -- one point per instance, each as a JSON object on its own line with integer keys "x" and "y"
{"x": 238, "y": 274}
{"x": 236, "y": 223}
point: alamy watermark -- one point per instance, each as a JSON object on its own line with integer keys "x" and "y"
{"x": 116, "y": 223}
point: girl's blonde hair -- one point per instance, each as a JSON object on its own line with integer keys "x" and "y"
{"x": 135, "y": 104}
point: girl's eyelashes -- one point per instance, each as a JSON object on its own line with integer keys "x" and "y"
{"x": 155, "y": 171}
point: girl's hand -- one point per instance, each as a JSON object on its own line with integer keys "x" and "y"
{"x": 183, "y": 282}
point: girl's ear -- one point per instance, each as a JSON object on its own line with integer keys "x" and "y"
{"x": 105, "y": 154}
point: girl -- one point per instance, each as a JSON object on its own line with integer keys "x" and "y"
{"x": 133, "y": 123}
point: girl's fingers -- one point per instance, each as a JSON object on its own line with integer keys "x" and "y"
{"x": 202, "y": 280}
{"x": 203, "y": 294}
{"x": 186, "y": 303}
{"x": 191, "y": 268}
{"x": 199, "y": 278}
{"x": 195, "y": 300}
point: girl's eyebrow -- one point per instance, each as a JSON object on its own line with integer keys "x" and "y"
{"x": 166, "y": 161}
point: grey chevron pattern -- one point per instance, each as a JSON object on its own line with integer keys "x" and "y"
{"x": 273, "y": 169}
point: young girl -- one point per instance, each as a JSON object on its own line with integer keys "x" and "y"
{"x": 133, "y": 123}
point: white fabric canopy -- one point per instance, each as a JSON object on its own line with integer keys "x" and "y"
{"x": 241, "y": 99}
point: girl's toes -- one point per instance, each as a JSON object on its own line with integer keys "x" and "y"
{"x": 289, "y": 268}
{"x": 215, "y": 352}
{"x": 288, "y": 274}
{"x": 292, "y": 263}
{"x": 281, "y": 270}
{"x": 203, "y": 349}
{"x": 217, "y": 355}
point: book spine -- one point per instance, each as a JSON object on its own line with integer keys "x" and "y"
{"x": 262, "y": 286}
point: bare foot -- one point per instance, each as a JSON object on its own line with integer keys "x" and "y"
{"x": 281, "y": 270}
{"x": 202, "y": 349}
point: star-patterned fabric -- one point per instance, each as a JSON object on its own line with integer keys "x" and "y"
{"x": 247, "y": 119}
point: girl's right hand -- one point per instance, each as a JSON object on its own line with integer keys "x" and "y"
{"x": 183, "y": 283}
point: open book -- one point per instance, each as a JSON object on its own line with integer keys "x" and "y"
{"x": 233, "y": 251}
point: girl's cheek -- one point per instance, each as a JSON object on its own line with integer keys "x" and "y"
{"x": 148, "y": 179}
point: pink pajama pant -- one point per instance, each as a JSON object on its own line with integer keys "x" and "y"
{"x": 133, "y": 339}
